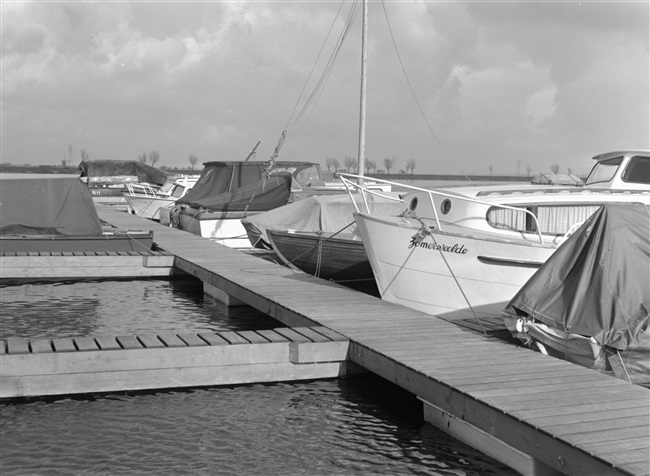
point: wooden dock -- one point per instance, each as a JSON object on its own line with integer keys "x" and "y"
{"x": 41, "y": 367}
{"x": 538, "y": 414}
{"x": 88, "y": 265}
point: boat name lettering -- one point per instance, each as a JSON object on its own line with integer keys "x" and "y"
{"x": 455, "y": 248}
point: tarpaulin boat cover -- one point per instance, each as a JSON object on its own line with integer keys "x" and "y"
{"x": 597, "y": 284}
{"x": 112, "y": 168}
{"x": 51, "y": 206}
{"x": 328, "y": 213}
{"x": 238, "y": 186}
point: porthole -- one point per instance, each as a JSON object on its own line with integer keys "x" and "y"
{"x": 446, "y": 206}
{"x": 414, "y": 204}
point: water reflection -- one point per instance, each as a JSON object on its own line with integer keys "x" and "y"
{"x": 127, "y": 307}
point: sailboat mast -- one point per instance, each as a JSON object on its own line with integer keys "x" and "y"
{"x": 362, "y": 111}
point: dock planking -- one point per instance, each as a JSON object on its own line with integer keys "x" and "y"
{"x": 491, "y": 387}
{"x": 42, "y": 367}
{"x": 85, "y": 265}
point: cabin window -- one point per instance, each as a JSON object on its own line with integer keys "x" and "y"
{"x": 414, "y": 204}
{"x": 177, "y": 191}
{"x": 446, "y": 206}
{"x": 604, "y": 171}
{"x": 637, "y": 171}
{"x": 552, "y": 219}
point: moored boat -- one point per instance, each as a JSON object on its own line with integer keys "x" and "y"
{"x": 590, "y": 302}
{"x": 57, "y": 214}
{"x": 225, "y": 193}
{"x": 146, "y": 200}
{"x": 465, "y": 252}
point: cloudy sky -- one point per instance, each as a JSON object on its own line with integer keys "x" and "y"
{"x": 457, "y": 86}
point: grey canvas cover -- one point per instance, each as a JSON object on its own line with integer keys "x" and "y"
{"x": 597, "y": 284}
{"x": 238, "y": 186}
{"x": 53, "y": 205}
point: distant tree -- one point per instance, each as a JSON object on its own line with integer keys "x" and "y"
{"x": 193, "y": 161}
{"x": 350, "y": 164}
{"x": 154, "y": 157}
{"x": 371, "y": 165}
{"x": 410, "y": 165}
{"x": 335, "y": 163}
{"x": 388, "y": 163}
{"x": 142, "y": 158}
{"x": 84, "y": 155}
{"x": 491, "y": 167}
{"x": 529, "y": 169}
{"x": 329, "y": 163}
{"x": 569, "y": 171}
{"x": 555, "y": 168}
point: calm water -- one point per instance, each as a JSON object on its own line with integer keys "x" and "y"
{"x": 352, "y": 426}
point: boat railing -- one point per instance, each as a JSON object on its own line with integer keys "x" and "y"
{"x": 355, "y": 182}
{"x": 146, "y": 189}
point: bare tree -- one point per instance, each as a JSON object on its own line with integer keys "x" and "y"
{"x": 329, "y": 163}
{"x": 491, "y": 167}
{"x": 350, "y": 163}
{"x": 193, "y": 161}
{"x": 388, "y": 163}
{"x": 84, "y": 155}
{"x": 410, "y": 165}
{"x": 154, "y": 156}
{"x": 335, "y": 163}
{"x": 371, "y": 165}
{"x": 555, "y": 168}
{"x": 569, "y": 171}
{"x": 142, "y": 158}
{"x": 529, "y": 169}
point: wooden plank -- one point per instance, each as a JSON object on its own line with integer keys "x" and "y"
{"x": 233, "y": 337}
{"x": 311, "y": 334}
{"x": 172, "y": 340}
{"x": 107, "y": 343}
{"x": 213, "y": 338}
{"x": 41, "y": 346}
{"x": 192, "y": 339}
{"x": 292, "y": 335}
{"x": 85, "y": 344}
{"x": 272, "y": 336}
{"x": 64, "y": 345}
{"x": 329, "y": 333}
{"x": 253, "y": 337}
{"x": 129, "y": 342}
{"x": 150, "y": 341}
{"x": 17, "y": 346}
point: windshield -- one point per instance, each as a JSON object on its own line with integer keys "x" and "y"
{"x": 638, "y": 170}
{"x": 604, "y": 171}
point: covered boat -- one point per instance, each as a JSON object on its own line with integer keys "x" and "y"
{"x": 225, "y": 193}
{"x": 107, "y": 179}
{"x": 589, "y": 303}
{"x": 57, "y": 214}
{"x": 317, "y": 235}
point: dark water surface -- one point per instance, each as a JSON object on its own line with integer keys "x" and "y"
{"x": 360, "y": 425}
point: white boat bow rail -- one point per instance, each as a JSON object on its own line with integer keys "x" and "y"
{"x": 351, "y": 185}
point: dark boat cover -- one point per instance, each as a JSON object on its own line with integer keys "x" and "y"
{"x": 597, "y": 284}
{"x": 111, "y": 168}
{"x": 238, "y": 186}
{"x": 48, "y": 206}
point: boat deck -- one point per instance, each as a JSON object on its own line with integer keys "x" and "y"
{"x": 571, "y": 419}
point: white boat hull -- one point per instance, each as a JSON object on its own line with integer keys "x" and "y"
{"x": 147, "y": 207}
{"x": 227, "y": 231}
{"x": 455, "y": 275}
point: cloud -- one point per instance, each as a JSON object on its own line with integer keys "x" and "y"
{"x": 497, "y": 82}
